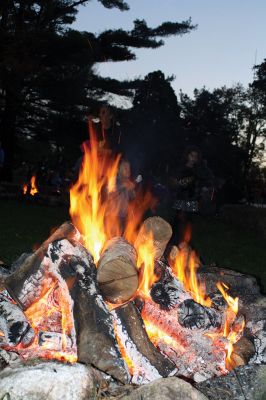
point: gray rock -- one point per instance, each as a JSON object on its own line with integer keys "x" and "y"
{"x": 243, "y": 383}
{"x": 241, "y": 285}
{"x": 47, "y": 381}
{"x": 166, "y": 389}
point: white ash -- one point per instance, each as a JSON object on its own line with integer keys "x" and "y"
{"x": 33, "y": 285}
{"x": 13, "y": 323}
{"x": 143, "y": 372}
{"x": 47, "y": 381}
{"x": 8, "y": 357}
{"x": 258, "y": 331}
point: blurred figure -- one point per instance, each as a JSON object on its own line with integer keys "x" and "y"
{"x": 191, "y": 186}
{"x": 123, "y": 194}
{"x": 107, "y": 129}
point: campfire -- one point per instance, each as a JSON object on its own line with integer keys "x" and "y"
{"x": 103, "y": 294}
{"x": 30, "y": 188}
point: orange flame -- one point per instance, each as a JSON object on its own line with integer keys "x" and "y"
{"x": 87, "y": 204}
{"x": 184, "y": 268}
{"x": 231, "y": 332}
{"x": 33, "y": 187}
{"x": 146, "y": 258}
{"x": 95, "y": 202}
{"x": 123, "y": 352}
{"x": 25, "y": 188}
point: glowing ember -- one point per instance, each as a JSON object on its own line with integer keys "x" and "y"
{"x": 51, "y": 319}
{"x": 159, "y": 334}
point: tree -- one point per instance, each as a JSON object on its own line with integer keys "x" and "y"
{"x": 46, "y": 69}
{"x": 154, "y": 132}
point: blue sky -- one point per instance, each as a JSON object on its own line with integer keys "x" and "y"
{"x": 230, "y": 38}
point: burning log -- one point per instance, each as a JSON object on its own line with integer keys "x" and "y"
{"x": 161, "y": 232}
{"x": 243, "y": 350}
{"x": 13, "y": 324}
{"x": 133, "y": 324}
{"x": 117, "y": 274}
{"x": 31, "y": 270}
{"x": 94, "y": 325}
{"x": 168, "y": 291}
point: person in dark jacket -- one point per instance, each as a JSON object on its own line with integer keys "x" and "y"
{"x": 189, "y": 186}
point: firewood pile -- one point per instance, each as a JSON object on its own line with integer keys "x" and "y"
{"x": 66, "y": 323}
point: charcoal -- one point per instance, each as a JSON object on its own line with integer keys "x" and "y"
{"x": 165, "y": 295}
{"x": 14, "y": 324}
{"x": 195, "y": 316}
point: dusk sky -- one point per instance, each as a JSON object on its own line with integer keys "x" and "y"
{"x": 229, "y": 40}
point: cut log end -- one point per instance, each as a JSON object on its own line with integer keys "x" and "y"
{"x": 118, "y": 281}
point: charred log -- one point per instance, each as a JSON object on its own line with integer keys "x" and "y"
{"x": 33, "y": 272}
{"x": 94, "y": 325}
{"x": 243, "y": 350}
{"x": 133, "y": 325}
{"x": 14, "y": 324}
{"x": 195, "y": 316}
{"x": 117, "y": 274}
{"x": 161, "y": 232}
{"x": 168, "y": 291}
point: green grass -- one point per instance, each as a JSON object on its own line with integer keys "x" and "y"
{"x": 23, "y": 225}
{"x": 230, "y": 247}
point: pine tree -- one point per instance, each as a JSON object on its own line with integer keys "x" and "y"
{"x": 46, "y": 69}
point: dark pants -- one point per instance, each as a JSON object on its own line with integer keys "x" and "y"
{"x": 181, "y": 226}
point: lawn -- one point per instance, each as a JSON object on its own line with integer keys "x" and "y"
{"x": 25, "y": 225}
{"x": 230, "y": 247}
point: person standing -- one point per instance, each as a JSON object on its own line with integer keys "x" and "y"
{"x": 188, "y": 186}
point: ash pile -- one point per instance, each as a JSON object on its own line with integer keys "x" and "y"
{"x": 127, "y": 328}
